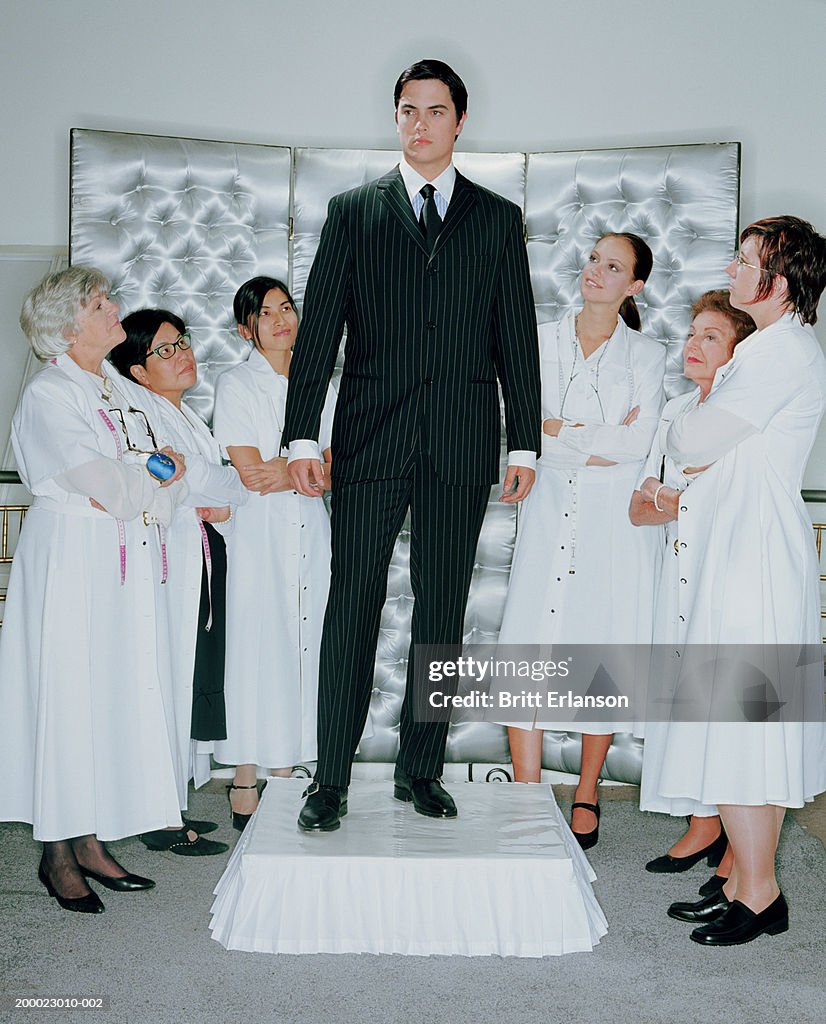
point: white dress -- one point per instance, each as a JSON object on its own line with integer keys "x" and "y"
{"x": 748, "y": 571}
{"x": 209, "y": 485}
{"x": 277, "y": 581}
{"x": 581, "y": 573}
{"x": 85, "y": 681}
{"x": 666, "y": 630}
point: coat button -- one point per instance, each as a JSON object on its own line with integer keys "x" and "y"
{"x": 431, "y": 325}
{"x": 428, "y": 381}
{"x": 683, "y": 581}
{"x": 684, "y": 508}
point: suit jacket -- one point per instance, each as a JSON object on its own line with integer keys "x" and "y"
{"x": 427, "y": 335}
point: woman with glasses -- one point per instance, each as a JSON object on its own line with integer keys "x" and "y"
{"x": 581, "y": 574}
{"x": 279, "y": 557}
{"x": 749, "y": 577}
{"x": 84, "y": 676}
{"x": 157, "y": 354}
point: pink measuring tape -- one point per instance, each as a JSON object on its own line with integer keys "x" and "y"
{"x": 208, "y": 563}
{"x": 120, "y": 524}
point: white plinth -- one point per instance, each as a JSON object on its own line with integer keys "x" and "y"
{"x": 506, "y": 877}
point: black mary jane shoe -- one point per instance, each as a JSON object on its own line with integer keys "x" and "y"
{"x": 714, "y": 884}
{"x": 203, "y": 828}
{"x": 89, "y": 904}
{"x": 428, "y": 796}
{"x": 176, "y": 840}
{"x": 702, "y": 911}
{"x": 323, "y": 809}
{"x": 713, "y": 854}
{"x": 739, "y": 924}
{"x": 126, "y": 883}
{"x": 239, "y": 821}
{"x": 587, "y": 839}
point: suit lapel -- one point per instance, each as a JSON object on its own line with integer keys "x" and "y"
{"x": 462, "y": 201}
{"x": 394, "y": 196}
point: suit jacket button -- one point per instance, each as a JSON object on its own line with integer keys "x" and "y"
{"x": 428, "y": 381}
{"x": 431, "y": 325}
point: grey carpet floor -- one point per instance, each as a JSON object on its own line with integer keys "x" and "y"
{"x": 151, "y": 953}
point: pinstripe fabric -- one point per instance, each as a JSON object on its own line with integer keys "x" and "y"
{"x": 367, "y": 516}
{"x": 417, "y": 424}
{"x": 427, "y": 336}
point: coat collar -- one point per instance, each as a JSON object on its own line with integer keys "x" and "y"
{"x": 393, "y": 192}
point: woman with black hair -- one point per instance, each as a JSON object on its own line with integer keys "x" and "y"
{"x": 157, "y": 354}
{"x": 279, "y": 557}
{"x": 581, "y": 574}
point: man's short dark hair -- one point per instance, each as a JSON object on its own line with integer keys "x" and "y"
{"x": 426, "y": 69}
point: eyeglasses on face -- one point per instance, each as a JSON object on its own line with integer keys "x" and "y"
{"x": 738, "y": 259}
{"x": 167, "y": 351}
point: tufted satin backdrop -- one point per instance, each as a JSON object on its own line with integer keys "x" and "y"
{"x": 182, "y": 223}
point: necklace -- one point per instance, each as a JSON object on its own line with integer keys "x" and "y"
{"x": 106, "y": 389}
{"x": 575, "y": 345}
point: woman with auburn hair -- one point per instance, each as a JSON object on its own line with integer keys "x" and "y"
{"x": 716, "y": 329}
{"x": 749, "y": 571}
{"x": 581, "y": 574}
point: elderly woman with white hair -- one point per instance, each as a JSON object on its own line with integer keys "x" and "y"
{"x": 84, "y": 678}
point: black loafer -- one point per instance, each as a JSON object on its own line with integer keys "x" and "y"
{"x": 126, "y": 883}
{"x": 714, "y": 884}
{"x": 739, "y": 924}
{"x": 702, "y": 911}
{"x": 713, "y": 854}
{"x": 428, "y": 796}
{"x": 323, "y": 809}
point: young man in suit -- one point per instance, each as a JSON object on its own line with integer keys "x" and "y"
{"x": 429, "y": 273}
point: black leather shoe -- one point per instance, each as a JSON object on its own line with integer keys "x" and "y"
{"x": 739, "y": 924}
{"x": 714, "y": 884}
{"x": 201, "y": 827}
{"x": 176, "y": 840}
{"x": 126, "y": 883}
{"x": 713, "y": 853}
{"x": 587, "y": 839}
{"x": 324, "y": 808}
{"x": 701, "y": 912}
{"x": 429, "y": 797}
{"x": 89, "y": 904}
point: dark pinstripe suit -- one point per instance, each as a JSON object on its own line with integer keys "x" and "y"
{"x": 416, "y": 425}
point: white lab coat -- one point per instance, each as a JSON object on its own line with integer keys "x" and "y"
{"x": 748, "y": 571}
{"x": 85, "y": 676}
{"x": 277, "y": 581}
{"x": 581, "y": 573}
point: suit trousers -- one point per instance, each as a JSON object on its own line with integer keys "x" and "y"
{"x": 366, "y": 518}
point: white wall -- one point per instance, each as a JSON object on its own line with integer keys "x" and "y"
{"x": 542, "y": 74}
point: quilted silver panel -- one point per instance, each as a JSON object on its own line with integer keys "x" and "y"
{"x": 182, "y": 223}
{"x": 683, "y": 200}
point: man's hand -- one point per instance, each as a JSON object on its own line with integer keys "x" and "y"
{"x": 521, "y": 478}
{"x": 306, "y": 477}
{"x": 180, "y": 466}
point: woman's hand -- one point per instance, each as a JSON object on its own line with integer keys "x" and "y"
{"x": 657, "y": 494}
{"x": 629, "y": 419}
{"x": 266, "y": 477}
{"x": 214, "y": 515}
{"x": 180, "y": 465}
{"x": 552, "y": 427}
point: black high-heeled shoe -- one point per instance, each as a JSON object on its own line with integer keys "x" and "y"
{"x": 89, "y": 904}
{"x": 125, "y": 883}
{"x": 713, "y": 854}
{"x": 239, "y": 821}
{"x": 586, "y": 839}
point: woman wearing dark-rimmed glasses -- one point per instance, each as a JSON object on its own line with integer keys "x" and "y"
{"x": 157, "y": 354}
{"x": 748, "y": 572}
{"x": 84, "y": 678}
